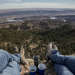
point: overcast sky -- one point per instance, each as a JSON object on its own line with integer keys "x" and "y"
{"x": 11, "y": 4}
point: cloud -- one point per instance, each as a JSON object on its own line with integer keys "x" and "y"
{"x": 35, "y": 5}
{"x": 54, "y": 1}
{"x": 8, "y": 4}
{"x": 9, "y": 1}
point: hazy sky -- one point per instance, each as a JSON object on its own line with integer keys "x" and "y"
{"x": 8, "y": 4}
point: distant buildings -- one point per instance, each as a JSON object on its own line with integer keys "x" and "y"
{"x": 57, "y": 18}
{"x": 14, "y": 20}
{"x": 53, "y": 18}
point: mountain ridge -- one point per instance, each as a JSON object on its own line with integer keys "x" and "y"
{"x": 36, "y": 11}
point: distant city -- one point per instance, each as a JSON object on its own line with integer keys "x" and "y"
{"x": 18, "y": 16}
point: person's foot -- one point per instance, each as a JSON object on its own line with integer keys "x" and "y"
{"x": 51, "y": 47}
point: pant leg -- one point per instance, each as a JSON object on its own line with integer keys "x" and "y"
{"x": 56, "y": 57}
{"x": 11, "y": 69}
{"x": 68, "y": 61}
{"x": 62, "y": 70}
